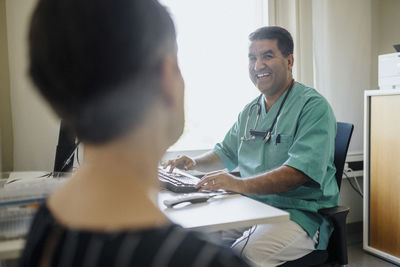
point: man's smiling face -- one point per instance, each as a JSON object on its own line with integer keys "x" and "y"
{"x": 269, "y": 70}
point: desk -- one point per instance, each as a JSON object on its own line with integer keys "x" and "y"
{"x": 225, "y": 212}
{"x": 230, "y": 211}
{"x": 11, "y": 249}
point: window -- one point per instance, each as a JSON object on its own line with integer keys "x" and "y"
{"x": 212, "y": 52}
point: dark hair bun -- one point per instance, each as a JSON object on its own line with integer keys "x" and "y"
{"x": 97, "y": 62}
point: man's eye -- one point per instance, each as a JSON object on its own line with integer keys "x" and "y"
{"x": 269, "y": 56}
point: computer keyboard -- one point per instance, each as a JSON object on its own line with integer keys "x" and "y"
{"x": 177, "y": 181}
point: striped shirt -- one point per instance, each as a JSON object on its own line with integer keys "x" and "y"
{"x": 51, "y": 244}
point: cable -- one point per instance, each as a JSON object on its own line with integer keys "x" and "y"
{"x": 68, "y": 160}
{"x": 248, "y": 238}
{"x": 77, "y": 155}
{"x": 251, "y": 231}
{"x": 46, "y": 175}
{"x": 349, "y": 170}
{"x": 354, "y": 188}
{"x": 358, "y": 185}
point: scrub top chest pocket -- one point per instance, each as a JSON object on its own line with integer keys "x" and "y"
{"x": 276, "y": 153}
{"x": 257, "y": 156}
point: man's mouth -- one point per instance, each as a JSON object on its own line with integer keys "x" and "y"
{"x": 263, "y": 75}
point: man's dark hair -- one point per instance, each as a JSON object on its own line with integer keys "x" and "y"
{"x": 285, "y": 41}
{"x": 98, "y": 62}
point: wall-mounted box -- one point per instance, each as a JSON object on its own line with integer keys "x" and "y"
{"x": 389, "y": 71}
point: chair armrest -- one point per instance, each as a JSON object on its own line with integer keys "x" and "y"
{"x": 329, "y": 212}
{"x": 337, "y": 247}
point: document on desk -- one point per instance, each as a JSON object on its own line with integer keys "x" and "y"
{"x": 221, "y": 213}
{"x": 23, "y": 188}
{"x": 20, "y": 195}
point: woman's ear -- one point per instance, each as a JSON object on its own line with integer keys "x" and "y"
{"x": 167, "y": 79}
{"x": 172, "y": 96}
{"x": 171, "y": 80}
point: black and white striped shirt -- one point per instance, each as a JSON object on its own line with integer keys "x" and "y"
{"x": 50, "y": 244}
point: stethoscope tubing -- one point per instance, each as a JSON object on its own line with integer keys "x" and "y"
{"x": 253, "y": 132}
{"x": 249, "y": 113}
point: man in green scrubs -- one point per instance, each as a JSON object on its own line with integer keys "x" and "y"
{"x": 285, "y": 161}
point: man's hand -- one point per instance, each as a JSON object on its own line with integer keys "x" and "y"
{"x": 221, "y": 180}
{"x": 276, "y": 181}
{"x": 181, "y": 162}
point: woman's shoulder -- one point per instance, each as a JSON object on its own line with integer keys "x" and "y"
{"x": 149, "y": 246}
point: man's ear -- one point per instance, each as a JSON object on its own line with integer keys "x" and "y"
{"x": 290, "y": 60}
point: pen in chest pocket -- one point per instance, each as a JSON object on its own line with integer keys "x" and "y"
{"x": 278, "y": 139}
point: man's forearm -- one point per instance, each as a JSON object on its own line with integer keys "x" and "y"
{"x": 276, "y": 181}
{"x": 208, "y": 161}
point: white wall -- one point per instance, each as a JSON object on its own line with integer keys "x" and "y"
{"x": 389, "y": 20}
{"x": 349, "y": 198}
{"x": 342, "y": 43}
{"x": 35, "y": 126}
{"x": 6, "y": 135}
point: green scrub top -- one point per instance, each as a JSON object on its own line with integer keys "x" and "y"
{"x": 303, "y": 138}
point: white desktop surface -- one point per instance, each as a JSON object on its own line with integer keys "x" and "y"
{"x": 222, "y": 212}
{"x": 11, "y": 249}
{"x": 219, "y": 213}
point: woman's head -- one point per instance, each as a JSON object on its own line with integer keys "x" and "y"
{"x": 99, "y": 63}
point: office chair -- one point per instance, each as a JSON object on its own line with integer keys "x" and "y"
{"x": 336, "y": 253}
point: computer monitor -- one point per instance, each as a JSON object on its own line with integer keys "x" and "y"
{"x": 65, "y": 151}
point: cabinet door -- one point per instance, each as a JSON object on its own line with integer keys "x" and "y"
{"x": 385, "y": 174}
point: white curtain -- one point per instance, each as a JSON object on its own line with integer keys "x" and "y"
{"x": 333, "y": 52}
{"x": 342, "y": 54}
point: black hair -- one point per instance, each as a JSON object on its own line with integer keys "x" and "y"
{"x": 285, "y": 40}
{"x": 98, "y": 62}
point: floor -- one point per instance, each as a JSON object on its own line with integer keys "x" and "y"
{"x": 358, "y": 257}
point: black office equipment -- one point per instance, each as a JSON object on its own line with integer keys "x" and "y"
{"x": 177, "y": 181}
{"x": 336, "y": 252}
{"x": 397, "y": 47}
{"x": 196, "y": 197}
{"x": 64, "y": 159}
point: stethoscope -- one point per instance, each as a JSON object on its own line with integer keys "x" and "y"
{"x": 257, "y": 105}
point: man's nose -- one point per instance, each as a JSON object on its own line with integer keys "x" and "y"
{"x": 259, "y": 64}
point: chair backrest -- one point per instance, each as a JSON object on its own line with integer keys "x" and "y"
{"x": 342, "y": 141}
{"x": 337, "y": 249}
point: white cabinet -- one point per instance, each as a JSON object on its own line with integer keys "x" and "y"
{"x": 382, "y": 173}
